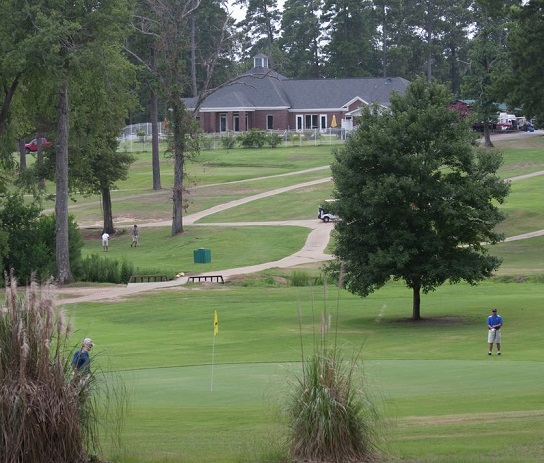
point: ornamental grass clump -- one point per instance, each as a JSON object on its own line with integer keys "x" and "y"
{"x": 46, "y": 415}
{"x": 331, "y": 418}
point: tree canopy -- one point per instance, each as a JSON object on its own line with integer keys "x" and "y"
{"x": 417, "y": 200}
{"x": 524, "y": 50}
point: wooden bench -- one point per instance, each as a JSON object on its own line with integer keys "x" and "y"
{"x": 199, "y": 278}
{"x": 147, "y": 278}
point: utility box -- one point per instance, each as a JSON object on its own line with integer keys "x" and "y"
{"x": 202, "y": 256}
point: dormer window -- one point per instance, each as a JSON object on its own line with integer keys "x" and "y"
{"x": 260, "y": 61}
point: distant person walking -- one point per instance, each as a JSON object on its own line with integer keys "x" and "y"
{"x": 105, "y": 241}
{"x": 494, "y": 325}
{"x": 135, "y": 236}
{"x": 81, "y": 363}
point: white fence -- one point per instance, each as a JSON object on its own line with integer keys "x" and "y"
{"x": 136, "y": 135}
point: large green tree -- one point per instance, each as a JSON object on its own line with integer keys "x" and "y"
{"x": 417, "y": 199}
{"x": 96, "y": 164}
{"x": 301, "y": 38}
{"x": 352, "y": 47}
{"x": 260, "y": 28}
{"x": 525, "y": 40}
{"x": 488, "y": 61}
{"x": 68, "y": 38}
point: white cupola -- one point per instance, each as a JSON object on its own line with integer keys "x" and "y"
{"x": 260, "y": 61}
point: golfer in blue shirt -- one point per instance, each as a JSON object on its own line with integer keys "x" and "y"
{"x": 81, "y": 363}
{"x": 494, "y": 325}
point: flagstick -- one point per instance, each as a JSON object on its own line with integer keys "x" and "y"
{"x": 213, "y": 358}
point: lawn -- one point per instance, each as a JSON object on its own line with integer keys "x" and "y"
{"x": 443, "y": 399}
{"x": 230, "y": 247}
{"x": 433, "y": 380}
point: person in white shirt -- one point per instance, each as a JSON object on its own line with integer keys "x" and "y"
{"x": 105, "y": 238}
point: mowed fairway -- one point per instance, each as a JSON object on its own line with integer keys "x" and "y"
{"x": 443, "y": 398}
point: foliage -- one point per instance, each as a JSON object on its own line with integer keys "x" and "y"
{"x": 350, "y": 51}
{"x": 331, "y": 418}
{"x": 527, "y": 32}
{"x": 488, "y": 63}
{"x": 302, "y": 278}
{"x": 29, "y": 240}
{"x": 253, "y": 138}
{"x": 301, "y": 38}
{"x": 45, "y": 416}
{"x": 260, "y": 26}
{"x": 228, "y": 142}
{"x": 273, "y": 140}
{"x": 417, "y": 201}
{"x": 101, "y": 270}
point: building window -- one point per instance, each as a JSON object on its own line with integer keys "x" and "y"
{"x": 300, "y": 124}
{"x": 236, "y": 123}
{"x": 270, "y": 122}
{"x": 223, "y": 123}
{"x": 260, "y": 61}
{"x": 311, "y": 121}
{"x": 323, "y": 122}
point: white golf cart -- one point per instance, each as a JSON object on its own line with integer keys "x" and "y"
{"x": 324, "y": 214}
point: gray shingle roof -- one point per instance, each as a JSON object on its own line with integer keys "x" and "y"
{"x": 264, "y": 88}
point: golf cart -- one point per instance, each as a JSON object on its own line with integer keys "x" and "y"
{"x": 324, "y": 214}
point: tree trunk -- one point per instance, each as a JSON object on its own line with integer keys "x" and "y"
{"x": 22, "y": 156}
{"x": 416, "y": 304}
{"x": 107, "y": 211}
{"x": 487, "y": 136}
{"x": 39, "y": 161}
{"x": 154, "y": 113}
{"x": 429, "y": 25}
{"x": 64, "y": 274}
{"x": 8, "y": 97}
{"x": 155, "y": 156}
{"x": 179, "y": 154}
{"x": 384, "y": 40}
{"x": 193, "y": 54}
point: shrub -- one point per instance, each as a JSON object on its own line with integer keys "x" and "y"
{"x": 273, "y": 140}
{"x": 330, "y": 417}
{"x": 204, "y": 142}
{"x": 228, "y": 142}
{"x": 45, "y": 416}
{"x": 28, "y": 240}
{"x": 141, "y": 134}
{"x": 102, "y": 270}
{"x": 254, "y": 138}
{"x": 302, "y": 278}
{"x": 297, "y": 137}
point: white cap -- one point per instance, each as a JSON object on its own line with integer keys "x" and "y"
{"x": 88, "y": 342}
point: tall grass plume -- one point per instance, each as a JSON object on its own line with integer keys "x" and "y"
{"x": 46, "y": 413}
{"x": 331, "y": 418}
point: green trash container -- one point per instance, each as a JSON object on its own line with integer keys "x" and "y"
{"x": 202, "y": 256}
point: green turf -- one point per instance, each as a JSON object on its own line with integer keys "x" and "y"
{"x": 445, "y": 400}
{"x": 432, "y": 379}
{"x": 230, "y": 247}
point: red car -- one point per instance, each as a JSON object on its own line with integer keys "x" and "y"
{"x": 32, "y": 147}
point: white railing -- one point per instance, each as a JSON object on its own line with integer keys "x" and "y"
{"x": 135, "y": 138}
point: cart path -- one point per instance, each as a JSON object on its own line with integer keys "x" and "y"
{"x": 313, "y": 250}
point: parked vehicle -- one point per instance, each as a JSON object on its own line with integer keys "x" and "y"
{"x": 32, "y": 147}
{"x": 528, "y": 127}
{"x": 324, "y": 214}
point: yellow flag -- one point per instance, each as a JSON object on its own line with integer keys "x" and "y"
{"x": 215, "y": 324}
